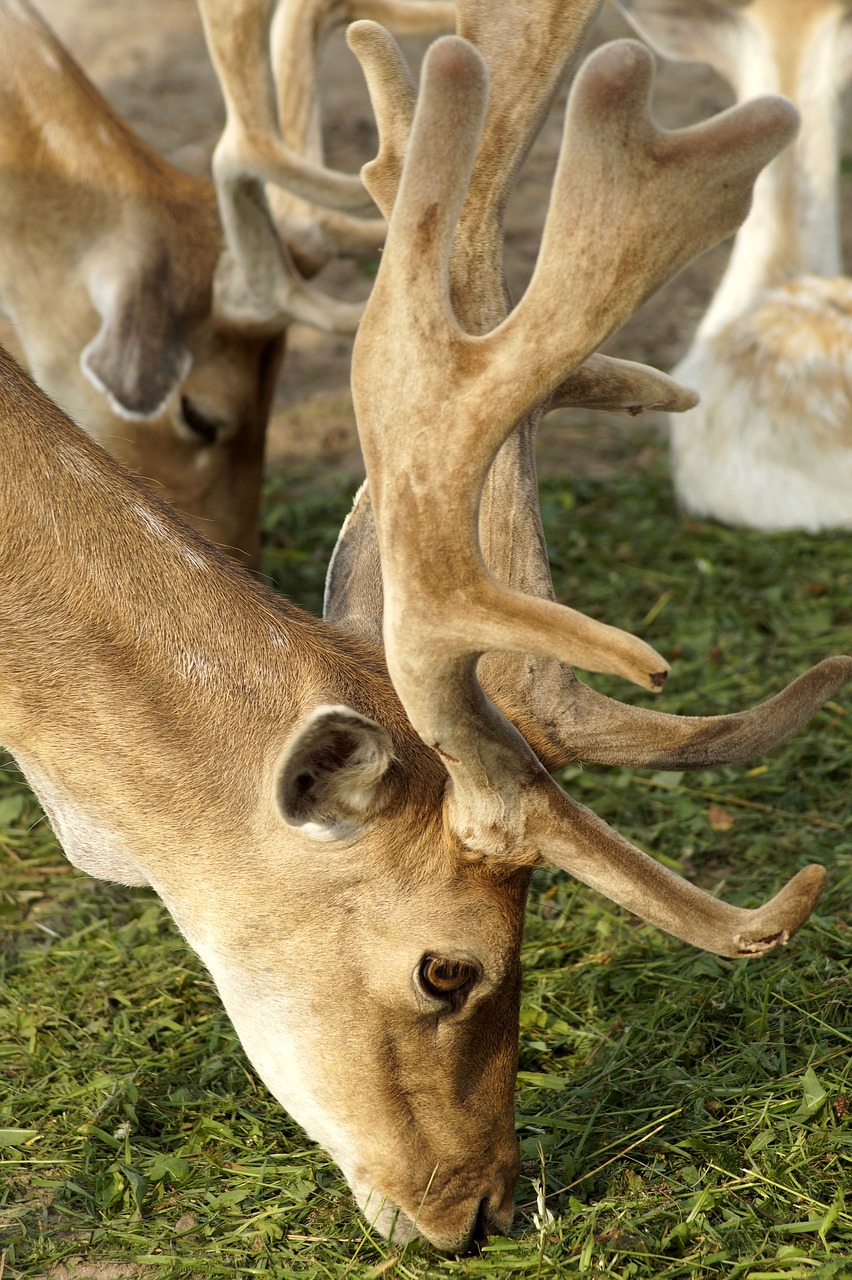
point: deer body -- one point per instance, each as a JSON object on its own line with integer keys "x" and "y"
{"x": 350, "y": 855}
{"x": 770, "y": 443}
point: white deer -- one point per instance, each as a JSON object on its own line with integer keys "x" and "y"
{"x": 350, "y": 854}
{"x": 770, "y": 444}
{"x": 108, "y": 254}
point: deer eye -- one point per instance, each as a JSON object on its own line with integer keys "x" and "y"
{"x": 445, "y": 979}
{"x": 199, "y": 427}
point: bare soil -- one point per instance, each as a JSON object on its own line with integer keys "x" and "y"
{"x": 150, "y": 61}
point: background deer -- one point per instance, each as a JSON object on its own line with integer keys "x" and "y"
{"x": 109, "y": 284}
{"x": 770, "y": 443}
{"x": 251, "y": 770}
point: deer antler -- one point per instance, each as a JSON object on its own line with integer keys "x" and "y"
{"x": 630, "y": 205}
{"x": 271, "y": 135}
{"x": 319, "y": 232}
{"x": 354, "y": 596}
{"x": 561, "y": 717}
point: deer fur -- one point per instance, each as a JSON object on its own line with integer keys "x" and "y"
{"x": 770, "y": 443}
{"x": 321, "y": 833}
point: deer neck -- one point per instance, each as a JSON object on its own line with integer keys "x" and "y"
{"x": 793, "y": 227}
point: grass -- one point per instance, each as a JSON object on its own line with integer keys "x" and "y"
{"x": 679, "y": 1115}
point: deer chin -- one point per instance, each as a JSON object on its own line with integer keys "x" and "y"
{"x": 455, "y": 1228}
{"x": 385, "y": 1217}
{"x": 392, "y": 1222}
{"x": 284, "y": 1044}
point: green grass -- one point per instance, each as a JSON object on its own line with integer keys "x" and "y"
{"x": 679, "y": 1115}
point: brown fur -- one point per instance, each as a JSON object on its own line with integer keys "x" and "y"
{"x": 157, "y": 689}
{"x": 156, "y": 698}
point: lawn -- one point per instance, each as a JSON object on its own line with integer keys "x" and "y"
{"x": 679, "y": 1115}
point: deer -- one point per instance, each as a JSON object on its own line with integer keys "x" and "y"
{"x": 186, "y": 728}
{"x": 118, "y": 287}
{"x": 770, "y": 444}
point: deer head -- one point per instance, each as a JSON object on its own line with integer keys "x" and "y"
{"x": 108, "y": 254}
{"x": 350, "y": 853}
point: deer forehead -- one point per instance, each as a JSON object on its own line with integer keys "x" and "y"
{"x": 381, "y": 913}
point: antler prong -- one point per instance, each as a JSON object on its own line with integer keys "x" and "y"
{"x": 272, "y": 136}
{"x": 393, "y": 97}
{"x": 600, "y": 209}
{"x": 583, "y": 724}
{"x": 603, "y": 382}
{"x": 581, "y": 843}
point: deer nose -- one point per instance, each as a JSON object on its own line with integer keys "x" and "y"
{"x": 492, "y": 1218}
{"x": 480, "y": 1231}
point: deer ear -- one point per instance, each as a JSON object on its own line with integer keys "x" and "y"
{"x": 138, "y": 357}
{"x": 692, "y": 30}
{"x": 330, "y": 776}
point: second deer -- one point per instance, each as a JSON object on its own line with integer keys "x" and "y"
{"x": 770, "y": 444}
{"x": 111, "y": 259}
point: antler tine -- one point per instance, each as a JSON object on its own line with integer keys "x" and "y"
{"x": 393, "y": 97}
{"x": 237, "y": 34}
{"x": 318, "y": 232}
{"x": 603, "y": 382}
{"x": 603, "y": 217}
{"x": 582, "y": 844}
{"x": 584, "y": 725}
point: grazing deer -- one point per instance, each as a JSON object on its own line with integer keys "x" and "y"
{"x": 108, "y": 254}
{"x": 770, "y": 444}
{"x": 350, "y": 854}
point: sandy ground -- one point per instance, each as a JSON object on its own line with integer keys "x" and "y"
{"x": 150, "y": 61}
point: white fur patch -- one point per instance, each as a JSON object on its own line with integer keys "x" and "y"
{"x": 89, "y": 844}
{"x": 153, "y": 523}
{"x": 196, "y": 665}
{"x": 284, "y": 1042}
{"x": 192, "y": 557}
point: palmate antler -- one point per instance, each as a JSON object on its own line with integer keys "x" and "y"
{"x": 563, "y": 719}
{"x": 265, "y": 53}
{"x": 435, "y": 402}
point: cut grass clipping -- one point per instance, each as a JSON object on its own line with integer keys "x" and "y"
{"x": 679, "y": 1115}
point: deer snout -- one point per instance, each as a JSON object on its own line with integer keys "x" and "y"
{"x": 493, "y": 1218}
{"x": 451, "y": 1224}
